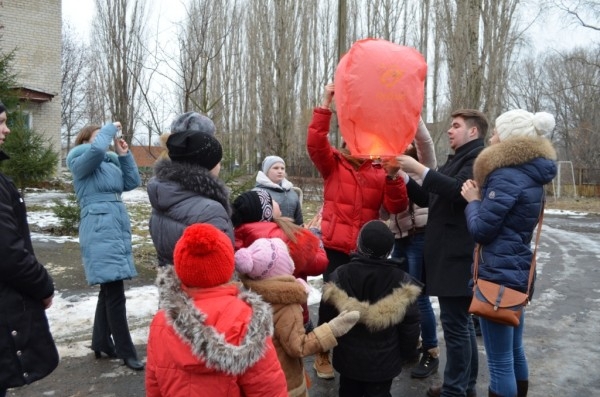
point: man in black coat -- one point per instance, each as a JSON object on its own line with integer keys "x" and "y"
{"x": 448, "y": 250}
{"x": 27, "y": 349}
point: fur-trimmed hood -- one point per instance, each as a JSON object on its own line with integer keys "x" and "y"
{"x": 512, "y": 152}
{"x": 386, "y": 312}
{"x": 284, "y": 290}
{"x": 262, "y": 180}
{"x": 191, "y": 178}
{"x": 205, "y": 341}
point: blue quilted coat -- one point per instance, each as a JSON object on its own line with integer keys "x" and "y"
{"x": 512, "y": 175}
{"x": 99, "y": 177}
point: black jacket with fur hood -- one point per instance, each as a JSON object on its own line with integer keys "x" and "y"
{"x": 387, "y": 333}
{"x": 183, "y": 194}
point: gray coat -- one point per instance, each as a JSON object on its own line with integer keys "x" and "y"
{"x": 183, "y": 194}
{"x": 284, "y": 194}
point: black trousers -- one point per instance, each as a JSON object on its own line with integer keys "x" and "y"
{"x": 336, "y": 259}
{"x": 111, "y": 332}
{"x": 356, "y": 388}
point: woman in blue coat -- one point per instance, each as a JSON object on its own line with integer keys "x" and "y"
{"x": 99, "y": 178}
{"x": 505, "y": 201}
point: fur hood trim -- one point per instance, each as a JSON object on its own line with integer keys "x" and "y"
{"x": 278, "y": 290}
{"x": 509, "y": 153}
{"x": 385, "y": 313}
{"x": 194, "y": 178}
{"x": 205, "y": 341}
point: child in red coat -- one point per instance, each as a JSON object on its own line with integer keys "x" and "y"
{"x": 210, "y": 338}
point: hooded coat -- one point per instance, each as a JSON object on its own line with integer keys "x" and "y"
{"x": 351, "y": 196}
{"x": 387, "y": 334}
{"x": 286, "y": 295}
{"x": 284, "y": 194}
{"x": 511, "y": 175}
{"x": 99, "y": 178}
{"x": 27, "y": 349}
{"x": 182, "y": 194}
{"x": 211, "y": 342}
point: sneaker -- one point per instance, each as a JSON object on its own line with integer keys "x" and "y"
{"x": 323, "y": 366}
{"x": 428, "y": 365}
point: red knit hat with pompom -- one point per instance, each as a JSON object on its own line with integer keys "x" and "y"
{"x": 203, "y": 256}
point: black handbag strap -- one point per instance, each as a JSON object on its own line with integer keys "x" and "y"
{"x": 533, "y": 259}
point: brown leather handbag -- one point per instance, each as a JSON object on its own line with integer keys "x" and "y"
{"x": 496, "y": 302}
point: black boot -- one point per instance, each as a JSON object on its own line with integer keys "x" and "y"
{"x": 522, "y": 388}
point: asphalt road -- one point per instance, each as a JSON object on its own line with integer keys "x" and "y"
{"x": 562, "y": 332}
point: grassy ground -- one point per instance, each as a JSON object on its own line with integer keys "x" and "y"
{"x": 583, "y": 204}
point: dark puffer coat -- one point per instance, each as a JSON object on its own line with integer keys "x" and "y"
{"x": 512, "y": 175}
{"x": 27, "y": 350}
{"x": 183, "y": 194}
{"x": 388, "y": 331}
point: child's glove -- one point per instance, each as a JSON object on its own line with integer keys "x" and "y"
{"x": 343, "y": 322}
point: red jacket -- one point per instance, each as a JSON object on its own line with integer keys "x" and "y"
{"x": 218, "y": 345}
{"x": 308, "y": 256}
{"x": 352, "y": 197}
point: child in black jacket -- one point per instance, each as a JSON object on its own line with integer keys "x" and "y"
{"x": 371, "y": 355}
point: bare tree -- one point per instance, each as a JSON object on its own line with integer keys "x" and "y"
{"x": 119, "y": 40}
{"x": 582, "y": 12}
{"x": 74, "y": 69}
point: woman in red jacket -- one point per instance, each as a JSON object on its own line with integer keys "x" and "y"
{"x": 355, "y": 189}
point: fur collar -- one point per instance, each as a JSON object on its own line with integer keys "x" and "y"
{"x": 278, "y": 290}
{"x": 205, "y": 341}
{"x": 509, "y": 153}
{"x": 195, "y": 179}
{"x": 262, "y": 180}
{"x": 385, "y": 313}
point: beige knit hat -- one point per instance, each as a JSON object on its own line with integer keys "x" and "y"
{"x": 520, "y": 123}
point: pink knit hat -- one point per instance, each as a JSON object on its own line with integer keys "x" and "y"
{"x": 264, "y": 258}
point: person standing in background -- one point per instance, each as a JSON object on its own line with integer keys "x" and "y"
{"x": 409, "y": 231}
{"x": 26, "y": 291}
{"x": 354, "y": 191}
{"x": 99, "y": 178}
{"x": 448, "y": 247}
{"x": 505, "y": 199}
{"x": 272, "y": 178}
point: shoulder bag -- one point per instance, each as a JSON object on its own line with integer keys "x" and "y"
{"x": 496, "y": 302}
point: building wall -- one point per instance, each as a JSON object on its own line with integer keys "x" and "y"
{"x": 33, "y": 28}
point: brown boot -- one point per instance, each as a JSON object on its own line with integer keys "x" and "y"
{"x": 323, "y": 366}
{"x": 522, "y": 388}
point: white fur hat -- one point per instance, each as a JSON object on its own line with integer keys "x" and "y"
{"x": 519, "y": 123}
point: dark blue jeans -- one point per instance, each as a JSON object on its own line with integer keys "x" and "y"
{"x": 505, "y": 355}
{"x": 411, "y": 248}
{"x": 460, "y": 374}
{"x": 2, "y": 393}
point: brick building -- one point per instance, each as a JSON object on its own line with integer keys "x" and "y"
{"x": 33, "y": 28}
